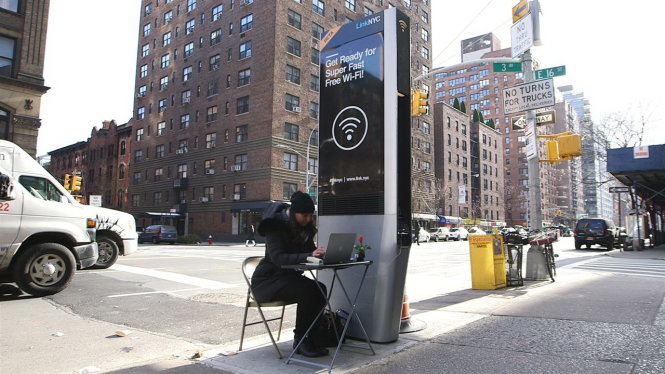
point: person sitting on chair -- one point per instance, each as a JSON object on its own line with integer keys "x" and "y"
{"x": 289, "y": 233}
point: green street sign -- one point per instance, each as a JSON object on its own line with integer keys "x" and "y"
{"x": 550, "y": 73}
{"x": 507, "y": 67}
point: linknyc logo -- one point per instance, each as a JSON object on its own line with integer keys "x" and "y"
{"x": 368, "y": 22}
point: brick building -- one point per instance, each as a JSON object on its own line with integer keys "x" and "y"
{"x": 487, "y": 176}
{"x": 23, "y": 27}
{"x": 226, "y": 107}
{"x": 103, "y": 162}
{"x": 474, "y": 83}
{"x": 452, "y": 138}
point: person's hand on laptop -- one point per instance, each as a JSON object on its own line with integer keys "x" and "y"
{"x": 319, "y": 252}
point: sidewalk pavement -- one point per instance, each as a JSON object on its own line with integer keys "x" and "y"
{"x": 585, "y": 322}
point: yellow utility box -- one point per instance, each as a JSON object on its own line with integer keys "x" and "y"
{"x": 488, "y": 262}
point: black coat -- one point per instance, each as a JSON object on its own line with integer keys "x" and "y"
{"x": 283, "y": 247}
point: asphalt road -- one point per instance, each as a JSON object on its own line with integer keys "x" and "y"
{"x": 196, "y": 294}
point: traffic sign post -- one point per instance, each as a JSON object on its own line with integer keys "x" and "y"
{"x": 520, "y": 10}
{"x": 546, "y": 117}
{"x": 550, "y": 72}
{"x": 507, "y": 67}
{"x": 528, "y": 96}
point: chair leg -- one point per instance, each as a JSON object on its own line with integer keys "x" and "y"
{"x": 244, "y": 322}
{"x": 281, "y": 319}
{"x": 279, "y": 353}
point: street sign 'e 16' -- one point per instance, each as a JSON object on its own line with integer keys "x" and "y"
{"x": 619, "y": 189}
{"x": 550, "y": 72}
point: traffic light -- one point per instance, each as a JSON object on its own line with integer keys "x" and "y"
{"x": 76, "y": 182}
{"x": 570, "y": 146}
{"x": 553, "y": 151}
{"x": 68, "y": 182}
{"x": 418, "y": 102}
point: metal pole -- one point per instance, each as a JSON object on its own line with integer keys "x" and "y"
{"x": 535, "y": 205}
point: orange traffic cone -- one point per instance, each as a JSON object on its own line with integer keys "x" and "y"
{"x": 408, "y": 324}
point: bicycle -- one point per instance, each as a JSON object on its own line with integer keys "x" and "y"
{"x": 545, "y": 240}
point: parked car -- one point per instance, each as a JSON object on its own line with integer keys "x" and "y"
{"x": 439, "y": 233}
{"x": 158, "y": 234}
{"x": 590, "y": 231}
{"x": 423, "y": 236}
{"x": 459, "y": 233}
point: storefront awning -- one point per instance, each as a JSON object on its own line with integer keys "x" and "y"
{"x": 429, "y": 217}
{"x": 251, "y": 206}
{"x": 447, "y": 220}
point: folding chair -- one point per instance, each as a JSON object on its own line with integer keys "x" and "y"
{"x": 248, "y": 267}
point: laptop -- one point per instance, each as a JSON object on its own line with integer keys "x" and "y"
{"x": 339, "y": 249}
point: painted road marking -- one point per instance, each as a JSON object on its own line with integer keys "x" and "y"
{"x": 153, "y": 292}
{"x": 174, "y": 277}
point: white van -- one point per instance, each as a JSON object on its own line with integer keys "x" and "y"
{"x": 116, "y": 231}
{"x": 44, "y": 236}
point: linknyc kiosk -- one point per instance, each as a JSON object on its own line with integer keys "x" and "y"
{"x": 365, "y": 161}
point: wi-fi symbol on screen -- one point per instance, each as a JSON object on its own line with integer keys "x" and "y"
{"x": 349, "y": 126}
{"x": 402, "y": 25}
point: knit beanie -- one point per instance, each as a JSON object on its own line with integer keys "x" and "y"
{"x": 301, "y": 203}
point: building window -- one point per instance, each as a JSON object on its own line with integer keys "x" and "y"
{"x": 162, "y": 105}
{"x": 315, "y": 56}
{"x": 244, "y": 77}
{"x": 214, "y": 62}
{"x": 189, "y": 26}
{"x": 123, "y": 148}
{"x": 168, "y": 16}
{"x": 294, "y": 19}
{"x": 213, "y": 87}
{"x": 241, "y": 134}
{"x": 424, "y": 34}
{"x": 143, "y": 90}
{"x": 317, "y": 30}
{"x": 246, "y": 22}
{"x": 136, "y": 179}
{"x": 293, "y": 46}
{"x": 161, "y": 128}
{"x": 290, "y": 161}
{"x": 313, "y": 165}
{"x": 215, "y": 36}
{"x": 159, "y": 151}
{"x": 288, "y": 190}
{"x": 144, "y": 71}
{"x": 184, "y": 121}
{"x": 159, "y": 173}
{"x": 292, "y": 74}
{"x": 241, "y": 161}
{"x": 242, "y": 105}
{"x": 189, "y": 49}
{"x": 350, "y": 4}
{"x": 186, "y": 73}
{"x": 156, "y": 198}
{"x": 191, "y": 5}
{"x": 182, "y": 171}
{"x": 313, "y": 109}
{"x": 121, "y": 171}
{"x": 217, "y": 12}
{"x": 163, "y": 82}
{"x": 146, "y": 29}
{"x": 138, "y": 155}
{"x": 240, "y": 191}
{"x": 145, "y": 50}
{"x": 314, "y": 82}
{"x": 245, "y": 50}
{"x": 291, "y": 131}
{"x": 209, "y": 165}
{"x": 211, "y": 113}
{"x": 292, "y": 103}
{"x": 139, "y": 134}
{"x": 211, "y": 140}
{"x": 166, "y": 39}
{"x": 135, "y": 200}
{"x": 426, "y": 128}
{"x": 319, "y": 7}
{"x": 186, "y": 96}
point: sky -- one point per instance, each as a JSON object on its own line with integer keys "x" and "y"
{"x": 610, "y": 49}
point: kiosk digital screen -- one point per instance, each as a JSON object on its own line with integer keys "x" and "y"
{"x": 351, "y": 125}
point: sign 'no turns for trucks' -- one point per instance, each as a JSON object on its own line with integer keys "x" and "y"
{"x": 528, "y": 96}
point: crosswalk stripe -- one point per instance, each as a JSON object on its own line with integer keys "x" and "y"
{"x": 646, "y": 268}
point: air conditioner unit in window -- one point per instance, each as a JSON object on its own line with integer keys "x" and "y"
{"x": 210, "y": 171}
{"x": 180, "y": 151}
{"x": 236, "y": 196}
{"x": 244, "y": 2}
{"x": 296, "y": 109}
{"x": 236, "y": 167}
{"x": 186, "y": 100}
{"x": 204, "y": 199}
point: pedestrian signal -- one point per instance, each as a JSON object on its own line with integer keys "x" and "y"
{"x": 570, "y": 146}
